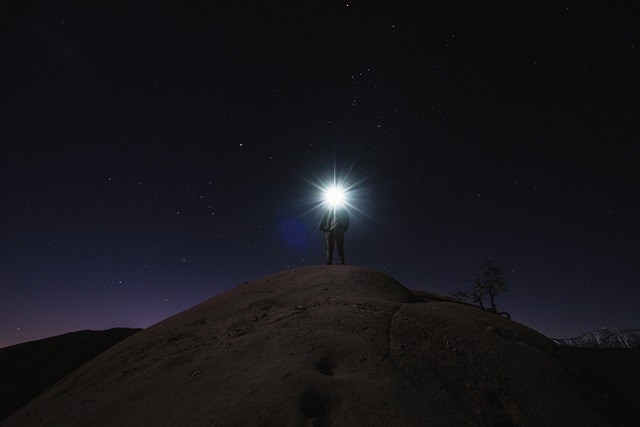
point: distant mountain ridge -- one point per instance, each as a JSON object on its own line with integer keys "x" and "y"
{"x": 605, "y": 338}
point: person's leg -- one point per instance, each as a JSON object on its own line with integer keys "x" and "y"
{"x": 340, "y": 242}
{"x": 329, "y": 235}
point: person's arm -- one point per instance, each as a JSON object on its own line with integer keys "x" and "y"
{"x": 323, "y": 222}
{"x": 345, "y": 219}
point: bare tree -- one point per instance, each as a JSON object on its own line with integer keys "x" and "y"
{"x": 488, "y": 283}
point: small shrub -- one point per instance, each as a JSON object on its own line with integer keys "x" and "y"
{"x": 487, "y": 284}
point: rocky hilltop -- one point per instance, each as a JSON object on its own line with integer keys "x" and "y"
{"x": 334, "y": 346}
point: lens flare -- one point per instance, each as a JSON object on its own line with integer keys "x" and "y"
{"x": 337, "y": 190}
{"x": 334, "y": 196}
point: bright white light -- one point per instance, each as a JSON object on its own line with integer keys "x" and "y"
{"x": 334, "y": 196}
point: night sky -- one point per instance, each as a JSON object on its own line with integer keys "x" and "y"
{"x": 154, "y": 155}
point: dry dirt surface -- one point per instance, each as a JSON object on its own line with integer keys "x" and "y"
{"x": 333, "y": 346}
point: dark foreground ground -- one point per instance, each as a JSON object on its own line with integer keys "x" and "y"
{"x": 28, "y": 369}
{"x": 329, "y": 346}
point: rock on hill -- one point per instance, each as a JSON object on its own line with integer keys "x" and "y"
{"x": 333, "y": 346}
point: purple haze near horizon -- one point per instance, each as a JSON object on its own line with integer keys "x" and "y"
{"x": 154, "y": 156}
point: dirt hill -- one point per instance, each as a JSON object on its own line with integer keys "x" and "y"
{"x": 334, "y": 346}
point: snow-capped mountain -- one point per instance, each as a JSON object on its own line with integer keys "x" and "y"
{"x": 605, "y": 338}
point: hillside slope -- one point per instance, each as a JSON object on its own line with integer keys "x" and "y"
{"x": 332, "y": 345}
{"x": 28, "y": 369}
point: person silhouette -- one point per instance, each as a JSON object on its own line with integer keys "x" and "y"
{"x": 335, "y": 222}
